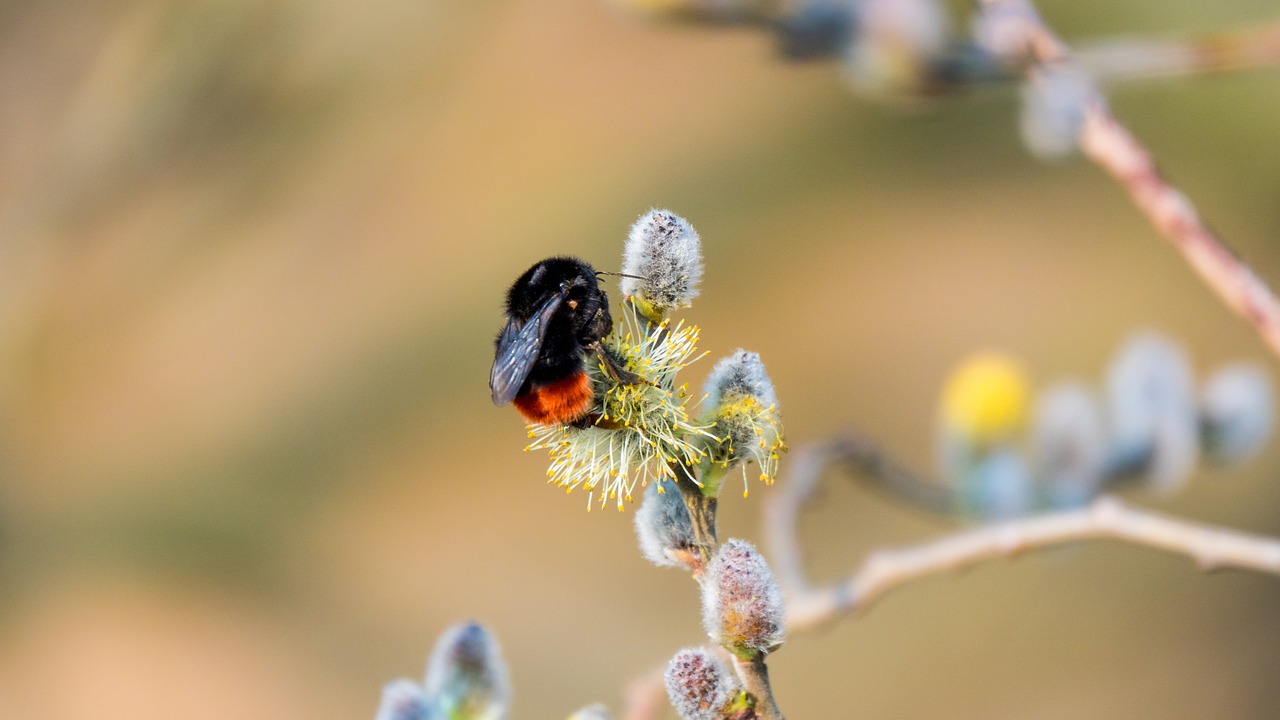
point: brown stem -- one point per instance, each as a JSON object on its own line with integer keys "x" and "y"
{"x": 702, "y": 513}
{"x": 646, "y": 696}
{"x": 1113, "y": 148}
{"x": 882, "y": 572}
{"x": 1135, "y": 58}
{"x": 755, "y": 678}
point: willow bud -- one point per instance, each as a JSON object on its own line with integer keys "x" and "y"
{"x": 742, "y": 409}
{"x": 741, "y": 603}
{"x": 896, "y": 46}
{"x": 664, "y": 529}
{"x": 997, "y": 486}
{"x": 1054, "y": 101}
{"x": 466, "y": 677}
{"x": 1070, "y": 445}
{"x": 664, "y": 254}
{"x": 700, "y": 687}
{"x": 1237, "y": 410}
{"x": 1154, "y": 424}
{"x": 403, "y": 700}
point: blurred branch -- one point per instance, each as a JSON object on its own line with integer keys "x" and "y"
{"x": 882, "y": 471}
{"x": 1113, "y": 148}
{"x": 886, "y": 570}
{"x": 1027, "y": 45}
{"x": 1136, "y": 58}
{"x": 645, "y": 696}
{"x": 1105, "y": 141}
{"x": 809, "y": 607}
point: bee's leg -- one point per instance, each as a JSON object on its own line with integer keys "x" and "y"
{"x": 590, "y": 419}
{"x": 613, "y": 369}
{"x": 600, "y": 422}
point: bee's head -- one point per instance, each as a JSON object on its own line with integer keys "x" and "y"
{"x": 568, "y": 277}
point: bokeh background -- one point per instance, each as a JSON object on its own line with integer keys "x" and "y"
{"x": 251, "y": 261}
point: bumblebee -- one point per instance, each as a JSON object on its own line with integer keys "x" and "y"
{"x": 556, "y": 317}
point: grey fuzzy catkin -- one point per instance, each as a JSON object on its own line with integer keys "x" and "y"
{"x": 1053, "y": 111}
{"x": 665, "y": 254}
{"x": 741, "y": 373}
{"x": 1237, "y": 411}
{"x": 741, "y": 602}
{"x": 663, "y": 528}
{"x": 1151, "y": 398}
{"x": 1070, "y": 445}
{"x": 699, "y": 686}
{"x": 403, "y": 700}
{"x": 996, "y": 485}
{"x": 466, "y": 674}
{"x": 741, "y": 409}
{"x": 895, "y": 45}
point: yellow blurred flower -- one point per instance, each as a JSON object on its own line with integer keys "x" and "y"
{"x": 985, "y": 399}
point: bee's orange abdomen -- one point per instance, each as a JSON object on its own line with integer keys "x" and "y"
{"x": 557, "y": 403}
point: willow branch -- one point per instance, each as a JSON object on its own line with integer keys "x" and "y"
{"x": 809, "y": 606}
{"x": 886, "y": 570}
{"x": 1113, "y": 148}
{"x": 1118, "y": 152}
{"x": 702, "y": 516}
{"x": 875, "y": 466}
{"x": 646, "y": 696}
{"x": 755, "y": 679}
{"x": 1138, "y": 58}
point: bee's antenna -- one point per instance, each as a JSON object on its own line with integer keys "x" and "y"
{"x": 634, "y": 277}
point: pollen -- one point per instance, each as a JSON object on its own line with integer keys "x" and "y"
{"x": 651, "y": 431}
{"x": 748, "y": 430}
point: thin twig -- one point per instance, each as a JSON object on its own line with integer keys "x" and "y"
{"x": 702, "y": 515}
{"x": 1105, "y": 141}
{"x": 886, "y": 570}
{"x": 1138, "y": 58}
{"x": 883, "y": 472}
{"x": 645, "y": 696}
{"x": 809, "y": 607}
{"x": 755, "y": 679}
{"x": 1114, "y": 149}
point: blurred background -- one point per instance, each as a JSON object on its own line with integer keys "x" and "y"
{"x": 252, "y": 256}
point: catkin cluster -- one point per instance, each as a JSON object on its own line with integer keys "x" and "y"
{"x": 1150, "y": 423}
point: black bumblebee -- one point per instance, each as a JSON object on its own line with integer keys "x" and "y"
{"x": 556, "y": 315}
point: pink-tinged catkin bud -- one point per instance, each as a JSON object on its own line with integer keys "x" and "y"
{"x": 700, "y": 687}
{"x": 741, "y": 602}
{"x": 403, "y": 700}
{"x": 466, "y": 676}
{"x": 664, "y": 529}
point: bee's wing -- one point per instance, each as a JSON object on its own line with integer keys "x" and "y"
{"x": 518, "y": 347}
